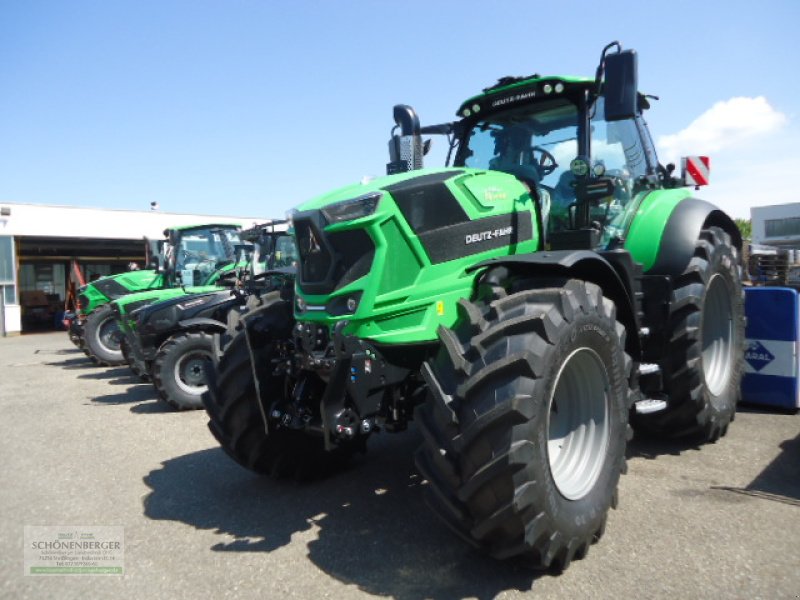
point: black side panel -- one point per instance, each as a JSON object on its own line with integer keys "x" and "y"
{"x": 480, "y": 235}
{"x": 111, "y": 288}
{"x": 682, "y": 232}
{"x": 426, "y": 203}
{"x": 203, "y": 323}
{"x": 422, "y": 181}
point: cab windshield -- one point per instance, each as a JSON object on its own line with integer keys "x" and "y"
{"x": 536, "y": 144}
{"x": 204, "y": 250}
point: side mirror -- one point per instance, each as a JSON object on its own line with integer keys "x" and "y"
{"x": 621, "y": 86}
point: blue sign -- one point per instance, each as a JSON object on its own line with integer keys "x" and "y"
{"x": 758, "y": 356}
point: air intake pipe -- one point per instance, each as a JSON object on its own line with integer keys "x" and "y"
{"x": 405, "y": 149}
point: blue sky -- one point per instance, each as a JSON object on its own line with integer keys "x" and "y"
{"x": 246, "y": 107}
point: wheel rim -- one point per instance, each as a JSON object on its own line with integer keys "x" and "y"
{"x": 578, "y": 423}
{"x": 190, "y": 374}
{"x": 717, "y": 335}
{"x": 107, "y": 335}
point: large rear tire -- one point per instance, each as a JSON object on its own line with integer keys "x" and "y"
{"x": 101, "y": 338}
{"x": 232, "y": 404}
{"x": 704, "y": 358}
{"x": 525, "y": 424}
{"x": 179, "y": 369}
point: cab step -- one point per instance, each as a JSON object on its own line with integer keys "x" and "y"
{"x": 649, "y": 406}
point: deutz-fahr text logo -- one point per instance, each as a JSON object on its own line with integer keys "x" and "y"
{"x": 484, "y": 236}
{"x": 758, "y": 356}
{"x": 515, "y": 98}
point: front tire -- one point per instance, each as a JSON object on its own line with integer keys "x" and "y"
{"x": 704, "y": 358}
{"x": 526, "y": 422}
{"x": 136, "y": 367}
{"x": 179, "y": 369}
{"x": 101, "y": 338}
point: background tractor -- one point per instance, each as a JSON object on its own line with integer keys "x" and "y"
{"x": 194, "y": 256}
{"x": 101, "y": 291}
{"x": 523, "y": 305}
{"x": 170, "y": 341}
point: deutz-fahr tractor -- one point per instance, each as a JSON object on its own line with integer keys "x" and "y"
{"x": 191, "y": 256}
{"x": 97, "y": 293}
{"x": 524, "y": 305}
{"x": 170, "y": 341}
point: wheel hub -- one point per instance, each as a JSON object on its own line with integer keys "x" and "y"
{"x": 578, "y": 423}
{"x": 717, "y": 336}
{"x": 190, "y": 373}
{"x": 107, "y": 335}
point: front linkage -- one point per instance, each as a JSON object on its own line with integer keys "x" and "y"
{"x": 340, "y": 386}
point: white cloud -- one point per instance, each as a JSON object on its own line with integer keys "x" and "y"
{"x": 725, "y": 125}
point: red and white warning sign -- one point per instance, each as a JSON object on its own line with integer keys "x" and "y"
{"x": 696, "y": 170}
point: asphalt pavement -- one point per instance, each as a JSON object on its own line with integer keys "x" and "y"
{"x": 92, "y": 446}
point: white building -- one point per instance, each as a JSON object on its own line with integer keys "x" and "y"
{"x": 38, "y": 244}
{"x": 777, "y": 225}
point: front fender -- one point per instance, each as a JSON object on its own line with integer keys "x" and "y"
{"x": 614, "y": 271}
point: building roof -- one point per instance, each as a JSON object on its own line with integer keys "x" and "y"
{"x": 41, "y": 220}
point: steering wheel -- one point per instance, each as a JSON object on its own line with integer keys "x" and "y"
{"x": 546, "y": 162}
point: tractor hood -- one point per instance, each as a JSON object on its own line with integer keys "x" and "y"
{"x": 375, "y": 251}
{"x": 378, "y": 184}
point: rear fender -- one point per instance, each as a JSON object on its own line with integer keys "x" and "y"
{"x": 664, "y": 232}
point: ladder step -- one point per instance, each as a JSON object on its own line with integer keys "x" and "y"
{"x": 648, "y": 368}
{"x": 650, "y": 405}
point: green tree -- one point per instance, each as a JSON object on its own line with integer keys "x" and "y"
{"x": 745, "y": 228}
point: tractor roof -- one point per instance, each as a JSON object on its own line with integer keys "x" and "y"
{"x": 204, "y": 226}
{"x": 510, "y": 90}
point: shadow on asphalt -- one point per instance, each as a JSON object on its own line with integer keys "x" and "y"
{"x": 642, "y": 446}
{"x": 134, "y": 394}
{"x": 374, "y": 529}
{"x": 782, "y": 475}
{"x": 152, "y": 408}
{"x": 81, "y": 362}
{"x": 123, "y": 374}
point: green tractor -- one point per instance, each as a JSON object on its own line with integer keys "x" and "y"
{"x": 169, "y": 341}
{"x": 97, "y": 293}
{"x": 523, "y": 305}
{"x": 191, "y": 256}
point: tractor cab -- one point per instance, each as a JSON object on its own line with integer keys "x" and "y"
{"x": 580, "y": 146}
{"x": 195, "y": 255}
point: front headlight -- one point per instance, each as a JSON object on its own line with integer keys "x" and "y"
{"x": 349, "y": 210}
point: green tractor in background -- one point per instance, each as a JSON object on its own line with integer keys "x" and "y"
{"x": 170, "y": 340}
{"x": 101, "y": 291}
{"x": 192, "y": 256}
{"x": 523, "y": 306}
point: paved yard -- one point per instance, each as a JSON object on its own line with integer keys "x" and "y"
{"x": 83, "y": 445}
